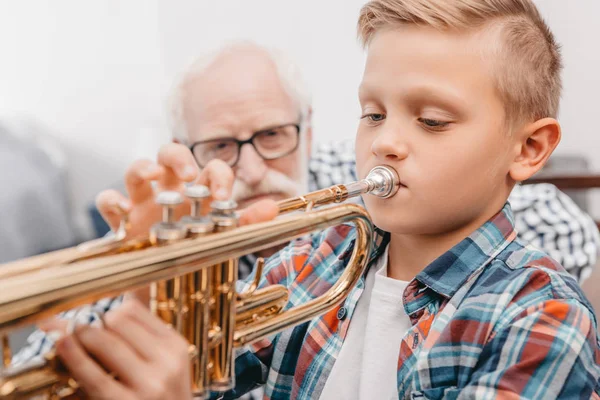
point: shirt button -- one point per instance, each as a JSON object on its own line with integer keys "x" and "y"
{"x": 341, "y": 314}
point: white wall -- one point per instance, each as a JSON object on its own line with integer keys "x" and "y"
{"x": 96, "y": 73}
{"x": 319, "y": 35}
{"x": 90, "y": 73}
{"x": 576, "y": 26}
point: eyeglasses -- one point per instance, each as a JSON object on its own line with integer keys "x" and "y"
{"x": 270, "y": 144}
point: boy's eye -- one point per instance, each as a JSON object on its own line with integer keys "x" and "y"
{"x": 433, "y": 123}
{"x": 374, "y": 117}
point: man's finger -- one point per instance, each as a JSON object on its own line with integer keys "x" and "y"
{"x": 179, "y": 166}
{"x": 261, "y": 211}
{"x": 133, "y": 333}
{"x": 111, "y": 204}
{"x": 115, "y": 354}
{"x": 138, "y": 178}
{"x": 53, "y": 324}
{"x": 219, "y": 177}
{"x": 96, "y": 383}
{"x": 133, "y": 308}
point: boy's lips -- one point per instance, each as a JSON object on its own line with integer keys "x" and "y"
{"x": 401, "y": 180}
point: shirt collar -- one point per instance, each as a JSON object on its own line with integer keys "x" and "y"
{"x": 451, "y": 270}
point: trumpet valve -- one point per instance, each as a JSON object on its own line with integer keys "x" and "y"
{"x": 168, "y": 230}
{"x": 195, "y": 223}
{"x": 197, "y": 194}
{"x": 223, "y": 214}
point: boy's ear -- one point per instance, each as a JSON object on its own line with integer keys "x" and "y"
{"x": 535, "y": 143}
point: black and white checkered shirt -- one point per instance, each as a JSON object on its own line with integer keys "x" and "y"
{"x": 544, "y": 216}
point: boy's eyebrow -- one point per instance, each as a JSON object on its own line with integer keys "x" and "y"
{"x": 364, "y": 90}
{"x": 421, "y": 95}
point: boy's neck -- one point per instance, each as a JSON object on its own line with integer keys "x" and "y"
{"x": 409, "y": 254}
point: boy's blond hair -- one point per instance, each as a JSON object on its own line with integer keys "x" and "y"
{"x": 527, "y": 63}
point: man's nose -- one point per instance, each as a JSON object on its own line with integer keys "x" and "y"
{"x": 251, "y": 168}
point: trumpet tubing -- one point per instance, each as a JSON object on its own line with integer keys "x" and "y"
{"x": 191, "y": 267}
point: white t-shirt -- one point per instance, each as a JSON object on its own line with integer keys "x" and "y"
{"x": 367, "y": 365}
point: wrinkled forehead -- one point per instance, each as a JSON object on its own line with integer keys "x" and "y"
{"x": 237, "y": 98}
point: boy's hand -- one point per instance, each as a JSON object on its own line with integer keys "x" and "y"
{"x": 175, "y": 166}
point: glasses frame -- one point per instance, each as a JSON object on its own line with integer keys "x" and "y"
{"x": 250, "y": 141}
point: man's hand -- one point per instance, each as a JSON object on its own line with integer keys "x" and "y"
{"x": 148, "y": 359}
{"x": 175, "y": 166}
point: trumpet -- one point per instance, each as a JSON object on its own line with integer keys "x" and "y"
{"x": 191, "y": 267}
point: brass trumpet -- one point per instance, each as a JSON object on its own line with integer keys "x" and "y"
{"x": 191, "y": 266}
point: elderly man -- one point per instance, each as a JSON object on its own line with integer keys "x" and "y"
{"x": 248, "y": 107}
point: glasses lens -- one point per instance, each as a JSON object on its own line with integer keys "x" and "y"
{"x": 276, "y": 142}
{"x": 223, "y": 149}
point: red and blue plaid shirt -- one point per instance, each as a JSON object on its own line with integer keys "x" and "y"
{"x": 491, "y": 318}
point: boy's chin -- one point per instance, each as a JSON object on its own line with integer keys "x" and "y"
{"x": 390, "y": 221}
{"x": 397, "y": 226}
{"x": 392, "y": 226}
{"x": 399, "y": 219}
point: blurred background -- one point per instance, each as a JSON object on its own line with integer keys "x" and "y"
{"x": 85, "y": 85}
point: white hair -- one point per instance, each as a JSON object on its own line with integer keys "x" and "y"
{"x": 287, "y": 71}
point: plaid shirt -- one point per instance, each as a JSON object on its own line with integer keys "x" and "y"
{"x": 491, "y": 318}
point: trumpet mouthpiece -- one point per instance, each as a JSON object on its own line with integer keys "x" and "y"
{"x": 385, "y": 181}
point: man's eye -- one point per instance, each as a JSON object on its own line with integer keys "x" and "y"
{"x": 220, "y": 146}
{"x": 433, "y": 123}
{"x": 271, "y": 134}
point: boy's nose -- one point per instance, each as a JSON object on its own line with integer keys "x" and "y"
{"x": 389, "y": 145}
{"x": 251, "y": 168}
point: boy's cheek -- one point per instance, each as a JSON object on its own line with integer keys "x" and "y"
{"x": 361, "y": 158}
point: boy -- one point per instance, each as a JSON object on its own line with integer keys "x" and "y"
{"x": 460, "y": 98}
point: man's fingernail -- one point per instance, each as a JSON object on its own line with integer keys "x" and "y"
{"x": 54, "y": 336}
{"x": 125, "y": 205}
{"x": 65, "y": 343}
{"x": 151, "y": 169}
{"x": 222, "y": 193}
{"x": 188, "y": 172}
